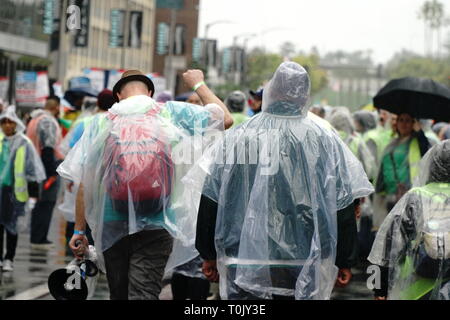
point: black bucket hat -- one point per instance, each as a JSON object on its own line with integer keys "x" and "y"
{"x": 132, "y": 75}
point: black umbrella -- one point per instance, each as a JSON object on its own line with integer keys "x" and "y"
{"x": 74, "y": 94}
{"x": 421, "y": 98}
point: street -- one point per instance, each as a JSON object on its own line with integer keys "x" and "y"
{"x": 28, "y": 281}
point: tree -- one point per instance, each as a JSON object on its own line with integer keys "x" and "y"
{"x": 287, "y": 49}
{"x": 262, "y": 66}
{"x": 422, "y": 67}
{"x": 433, "y": 14}
{"x": 317, "y": 75}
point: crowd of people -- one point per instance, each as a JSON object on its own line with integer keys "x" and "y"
{"x": 256, "y": 196}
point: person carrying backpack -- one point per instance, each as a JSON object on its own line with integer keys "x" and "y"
{"x": 128, "y": 166}
{"x": 412, "y": 247}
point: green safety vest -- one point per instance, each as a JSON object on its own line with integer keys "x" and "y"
{"x": 352, "y": 142}
{"x": 20, "y": 181}
{"x": 238, "y": 118}
{"x": 382, "y": 137}
{"x": 413, "y": 157}
{"x": 438, "y": 192}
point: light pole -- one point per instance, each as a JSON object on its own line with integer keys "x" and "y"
{"x": 205, "y": 41}
{"x": 240, "y": 72}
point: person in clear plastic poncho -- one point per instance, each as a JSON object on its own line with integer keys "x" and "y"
{"x": 412, "y": 246}
{"x": 128, "y": 165}
{"x": 267, "y": 216}
{"x": 20, "y": 164}
{"x": 341, "y": 120}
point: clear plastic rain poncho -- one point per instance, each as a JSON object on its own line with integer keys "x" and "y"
{"x": 366, "y": 119}
{"x": 279, "y": 180}
{"x": 414, "y": 240}
{"x": 341, "y": 120}
{"x": 44, "y": 131}
{"x": 33, "y": 168}
{"x": 130, "y": 161}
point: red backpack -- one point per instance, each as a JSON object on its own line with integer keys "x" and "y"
{"x": 137, "y": 158}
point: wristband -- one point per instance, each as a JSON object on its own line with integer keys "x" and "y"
{"x": 198, "y": 85}
{"x": 79, "y": 232}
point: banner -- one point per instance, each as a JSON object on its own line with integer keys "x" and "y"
{"x": 4, "y": 86}
{"x": 135, "y": 35}
{"x": 79, "y": 82}
{"x": 170, "y": 4}
{"x": 159, "y": 82}
{"x": 82, "y": 36}
{"x": 49, "y": 7}
{"x": 31, "y": 88}
{"x": 114, "y": 76}
{"x": 96, "y": 77}
{"x": 162, "y": 41}
{"x": 117, "y": 33}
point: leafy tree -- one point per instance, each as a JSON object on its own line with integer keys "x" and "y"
{"x": 287, "y": 49}
{"x": 422, "y": 67}
{"x": 317, "y": 75}
{"x": 262, "y": 65}
{"x": 433, "y": 14}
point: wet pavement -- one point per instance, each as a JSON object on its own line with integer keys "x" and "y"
{"x": 32, "y": 268}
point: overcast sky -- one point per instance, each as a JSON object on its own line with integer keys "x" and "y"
{"x": 385, "y": 26}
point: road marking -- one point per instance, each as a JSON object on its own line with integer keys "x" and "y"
{"x": 32, "y": 293}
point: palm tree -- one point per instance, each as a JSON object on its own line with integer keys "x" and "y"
{"x": 432, "y": 12}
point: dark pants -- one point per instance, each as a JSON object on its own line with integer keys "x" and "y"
{"x": 279, "y": 277}
{"x": 7, "y": 213}
{"x": 41, "y": 216}
{"x": 135, "y": 265}
{"x": 365, "y": 238}
{"x": 11, "y": 244}
{"x": 191, "y": 288}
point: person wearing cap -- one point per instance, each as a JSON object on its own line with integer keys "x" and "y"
{"x": 46, "y": 134}
{"x": 277, "y": 216}
{"x": 236, "y": 104}
{"x": 19, "y": 165}
{"x": 133, "y": 236}
{"x": 256, "y": 101}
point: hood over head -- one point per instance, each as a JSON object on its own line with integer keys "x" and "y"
{"x": 287, "y": 93}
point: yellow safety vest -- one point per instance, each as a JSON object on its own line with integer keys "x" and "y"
{"x": 20, "y": 181}
{"x": 414, "y": 158}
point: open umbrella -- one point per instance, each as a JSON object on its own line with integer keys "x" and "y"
{"x": 421, "y": 98}
{"x": 74, "y": 94}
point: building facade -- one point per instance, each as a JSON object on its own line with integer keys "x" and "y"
{"x": 176, "y": 26}
{"x": 104, "y": 34}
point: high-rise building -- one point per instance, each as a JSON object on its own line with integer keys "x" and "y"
{"x": 104, "y": 34}
{"x": 21, "y": 31}
{"x": 176, "y": 20}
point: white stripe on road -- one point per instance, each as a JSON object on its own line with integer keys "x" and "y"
{"x": 32, "y": 293}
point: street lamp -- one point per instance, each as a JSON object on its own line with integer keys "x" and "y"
{"x": 241, "y": 69}
{"x": 244, "y": 35}
{"x": 205, "y": 42}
